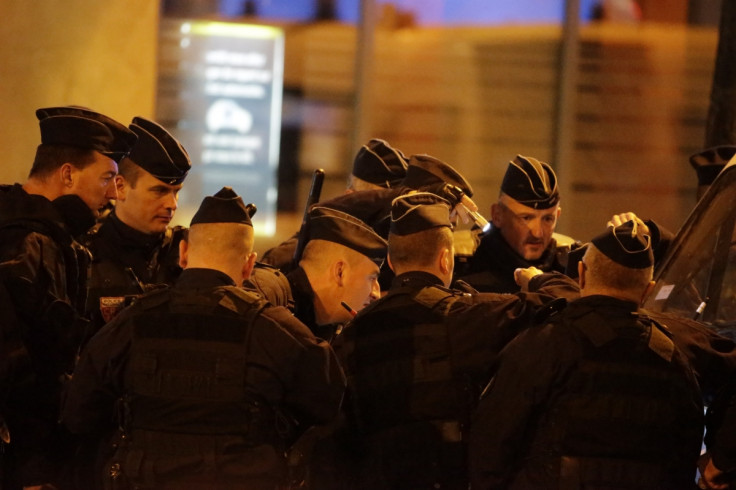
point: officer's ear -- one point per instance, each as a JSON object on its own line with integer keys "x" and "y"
{"x": 249, "y": 264}
{"x": 66, "y": 175}
{"x": 339, "y": 268}
{"x": 446, "y": 261}
{"x": 120, "y": 187}
{"x": 183, "y": 253}
{"x": 582, "y": 269}
{"x": 390, "y": 265}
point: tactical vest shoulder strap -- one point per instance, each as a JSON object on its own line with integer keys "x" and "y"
{"x": 660, "y": 341}
{"x": 247, "y": 303}
{"x": 591, "y": 325}
{"x": 434, "y": 296}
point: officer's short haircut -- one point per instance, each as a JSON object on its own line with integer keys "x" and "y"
{"x": 321, "y": 253}
{"x": 130, "y": 170}
{"x": 603, "y": 271}
{"x": 221, "y": 239}
{"x": 50, "y": 157}
{"x": 418, "y": 249}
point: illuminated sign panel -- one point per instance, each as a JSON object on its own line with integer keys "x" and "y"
{"x": 219, "y": 92}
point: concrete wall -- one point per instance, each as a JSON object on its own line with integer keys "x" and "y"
{"x": 101, "y": 55}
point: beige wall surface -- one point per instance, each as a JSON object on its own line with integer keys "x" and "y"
{"x": 101, "y": 55}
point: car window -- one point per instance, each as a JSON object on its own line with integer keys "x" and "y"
{"x": 699, "y": 271}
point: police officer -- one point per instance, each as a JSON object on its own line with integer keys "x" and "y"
{"x": 340, "y": 264}
{"x": 425, "y": 173}
{"x": 377, "y": 165}
{"x": 135, "y": 246}
{"x": 599, "y": 396}
{"x": 42, "y": 280}
{"x": 417, "y": 358}
{"x": 208, "y": 382}
{"x": 523, "y": 222}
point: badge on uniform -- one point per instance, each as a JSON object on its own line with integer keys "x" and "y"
{"x": 110, "y": 306}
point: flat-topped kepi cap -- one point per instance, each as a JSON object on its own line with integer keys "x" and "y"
{"x": 427, "y": 173}
{"x": 419, "y": 211}
{"x": 338, "y": 227}
{"x": 531, "y": 182}
{"x": 708, "y": 163}
{"x": 80, "y": 127}
{"x": 380, "y": 164}
{"x": 223, "y": 207}
{"x": 158, "y": 152}
{"x": 627, "y": 245}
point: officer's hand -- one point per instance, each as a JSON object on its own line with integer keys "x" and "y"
{"x": 619, "y": 219}
{"x": 523, "y": 276}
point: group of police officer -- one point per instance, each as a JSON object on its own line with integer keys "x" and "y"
{"x": 134, "y": 354}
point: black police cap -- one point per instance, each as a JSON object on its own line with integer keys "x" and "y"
{"x": 338, "y": 227}
{"x": 419, "y": 211}
{"x": 224, "y": 207}
{"x": 531, "y": 182}
{"x": 380, "y": 164}
{"x": 80, "y": 127}
{"x": 158, "y": 152}
{"x": 427, "y": 173}
{"x": 708, "y": 163}
{"x": 626, "y": 245}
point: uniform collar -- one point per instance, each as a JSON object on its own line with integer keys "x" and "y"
{"x": 131, "y": 235}
{"x": 197, "y": 278}
{"x": 416, "y": 279}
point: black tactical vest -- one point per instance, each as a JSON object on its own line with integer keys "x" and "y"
{"x": 628, "y": 416}
{"x": 186, "y": 408}
{"x": 409, "y": 403}
{"x": 111, "y": 287}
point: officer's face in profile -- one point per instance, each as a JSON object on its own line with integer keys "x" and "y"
{"x": 147, "y": 206}
{"x": 95, "y": 183}
{"x": 360, "y": 284}
{"x": 528, "y": 231}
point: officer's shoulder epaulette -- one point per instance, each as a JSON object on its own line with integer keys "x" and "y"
{"x": 247, "y": 296}
{"x": 247, "y": 304}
